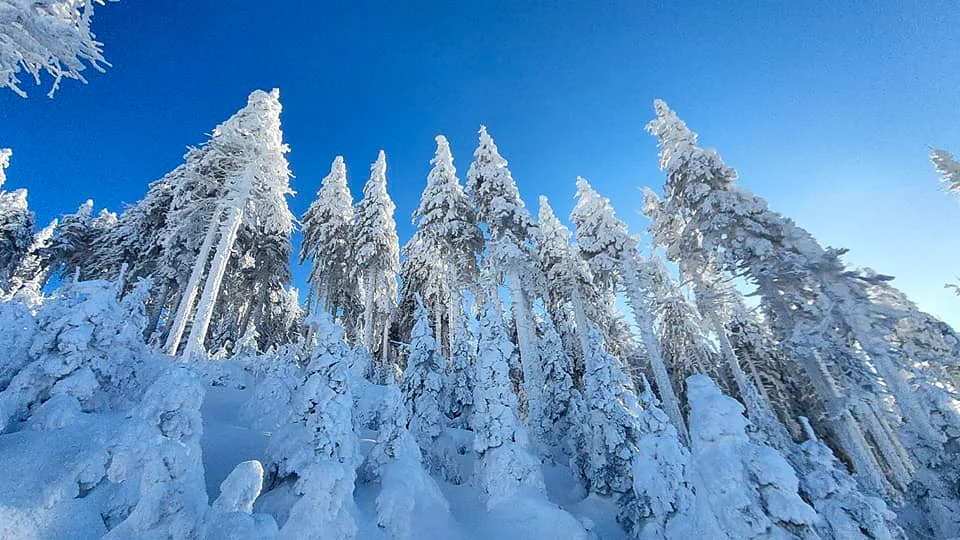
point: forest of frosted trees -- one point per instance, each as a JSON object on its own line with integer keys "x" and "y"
{"x": 738, "y": 380}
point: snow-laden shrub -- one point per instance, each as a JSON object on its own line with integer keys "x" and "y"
{"x": 87, "y": 344}
{"x": 159, "y": 449}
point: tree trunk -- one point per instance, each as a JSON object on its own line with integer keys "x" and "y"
{"x": 644, "y": 317}
{"x": 211, "y": 288}
{"x": 368, "y": 330}
{"x": 582, "y": 323}
{"x": 527, "y": 342}
{"x": 187, "y": 299}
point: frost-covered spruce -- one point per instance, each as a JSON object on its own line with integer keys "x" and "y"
{"x": 48, "y": 36}
{"x": 511, "y": 230}
{"x": 227, "y": 235}
{"x": 661, "y": 504}
{"x": 320, "y": 446}
{"x": 231, "y": 515}
{"x": 561, "y": 417}
{"x": 74, "y": 242}
{"x": 506, "y": 468}
{"x": 441, "y": 257}
{"x": 752, "y": 489}
{"x": 327, "y": 230}
{"x": 606, "y": 244}
{"x": 422, "y": 387}
{"x": 681, "y": 330}
{"x": 16, "y": 222}
{"x": 570, "y": 287}
{"x": 377, "y": 254}
{"x": 814, "y": 304}
{"x": 458, "y": 379}
{"x": 631, "y": 451}
{"x": 409, "y": 497}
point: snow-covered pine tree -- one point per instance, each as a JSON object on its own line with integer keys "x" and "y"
{"x": 410, "y": 504}
{"x": 422, "y": 386}
{"x": 234, "y": 186}
{"x": 376, "y": 252}
{"x": 75, "y": 240}
{"x": 458, "y": 379}
{"x": 511, "y": 230}
{"x": 686, "y": 346}
{"x": 320, "y": 446}
{"x": 162, "y": 445}
{"x": 570, "y": 289}
{"x": 606, "y": 245}
{"x": 441, "y": 258}
{"x": 810, "y": 300}
{"x": 562, "y": 414}
{"x": 327, "y": 230}
{"x": 506, "y": 468}
{"x": 32, "y": 274}
{"x": 16, "y": 222}
{"x": 632, "y": 451}
{"x": 752, "y": 490}
{"x": 51, "y": 36}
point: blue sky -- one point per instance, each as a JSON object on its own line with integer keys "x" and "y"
{"x": 827, "y": 110}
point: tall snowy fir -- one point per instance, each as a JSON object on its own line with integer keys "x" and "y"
{"x": 821, "y": 310}
{"x": 376, "y": 249}
{"x": 511, "y": 231}
{"x": 327, "y": 241}
{"x": 441, "y": 256}
{"x": 612, "y": 254}
{"x": 230, "y": 195}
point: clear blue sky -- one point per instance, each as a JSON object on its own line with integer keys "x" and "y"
{"x": 827, "y": 110}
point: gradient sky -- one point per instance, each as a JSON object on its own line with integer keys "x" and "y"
{"x": 827, "y": 110}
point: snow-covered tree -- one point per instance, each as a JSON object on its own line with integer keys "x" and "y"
{"x": 458, "y": 379}
{"x": 229, "y": 204}
{"x": 422, "y": 386}
{"x": 817, "y": 308}
{"x": 611, "y": 422}
{"x": 327, "y": 230}
{"x": 441, "y": 257}
{"x": 410, "y": 503}
{"x": 948, "y": 168}
{"x": 162, "y": 446}
{"x": 752, "y": 489}
{"x": 231, "y": 514}
{"x": 16, "y": 223}
{"x": 88, "y": 345}
{"x": 606, "y": 244}
{"x": 376, "y": 251}
{"x": 561, "y": 416}
{"x": 506, "y": 468}
{"x": 510, "y": 257}
{"x": 570, "y": 289}
{"x": 75, "y": 240}
{"x": 51, "y": 36}
{"x": 320, "y": 446}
